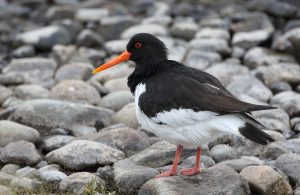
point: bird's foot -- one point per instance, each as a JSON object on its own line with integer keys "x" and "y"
{"x": 166, "y": 174}
{"x": 190, "y": 171}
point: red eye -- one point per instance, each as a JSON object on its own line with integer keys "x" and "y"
{"x": 137, "y": 45}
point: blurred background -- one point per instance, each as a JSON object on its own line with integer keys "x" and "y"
{"x": 49, "y": 98}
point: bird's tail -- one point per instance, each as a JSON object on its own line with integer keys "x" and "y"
{"x": 255, "y": 134}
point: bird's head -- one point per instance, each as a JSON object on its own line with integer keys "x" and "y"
{"x": 144, "y": 49}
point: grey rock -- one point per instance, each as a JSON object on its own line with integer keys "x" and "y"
{"x": 205, "y": 162}
{"x": 10, "y": 169}
{"x": 291, "y": 145}
{"x": 154, "y": 29}
{"x": 25, "y": 183}
{"x": 76, "y": 182}
{"x": 113, "y": 25}
{"x": 24, "y": 51}
{"x": 28, "y": 172}
{"x": 89, "y": 38}
{"x": 41, "y": 164}
{"x": 5, "y": 93}
{"x": 225, "y": 72}
{"x": 5, "y": 179}
{"x": 52, "y": 176}
{"x": 289, "y": 164}
{"x": 273, "y": 151}
{"x": 295, "y": 123}
{"x": 116, "y": 84}
{"x": 106, "y": 173}
{"x": 5, "y": 190}
{"x": 127, "y": 116}
{"x": 239, "y": 164}
{"x": 163, "y": 20}
{"x": 265, "y": 180}
{"x": 297, "y": 191}
{"x": 84, "y": 130}
{"x": 285, "y": 72}
{"x": 33, "y": 70}
{"x": 75, "y": 91}
{"x": 115, "y": 72}
{"x": 287, "y": 100}
{"x": 280, "y": 86}
{"x": 81, "y": 154}
{"x": 213, "y": 33}
{"x": 60, "y": 12}
{"x": 62, "y": 53}
{"x": 100, "y": 88}
{"x": 184, "y": 29}
{"x": 115, "y": 46}
{"x": 56, "y": 141}
{"x": 128, "y": 140}
{"x": 11, "y": 131}
{"x": 11, "y": 79}
{"x": 200, "y": 59}
{"x": 130, "y": 177}
{"x": 223, "y": 152}
{"x": 158, "y": 154}
{"x": 249, "y": 85}
{"x": 87, "y": 55}
{"x": 33, "y": 91}
{"x": 225, "y": 180}
{"x": 276, "y": 119}
{"x": 259, "y": 56}
{"x": 91, "y": 14}
{"x": 222, "y": 23}
{"x": 74, "y": 71}
{"x": 45, "y": 37}
{"x": 20, "y": 152}
{"x": 237, "y": 52}
{"x": 47, "y": 114}
{"x": 116, "y": 100}
{"x": 211, "y": 44}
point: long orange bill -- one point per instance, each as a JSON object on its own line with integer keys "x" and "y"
{"x": 117, "y": 60}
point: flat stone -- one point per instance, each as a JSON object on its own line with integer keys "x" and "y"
{"x": 127, "y": 116}
{"x": 250, "y": 39}
{"x": 211, "y": 44}
{"x": 25, "y": 183}
{"x": 154, "y": 29}
{"x": 74, "y": 71}
{"x": 289, "y": 164}
{"x": 287, "y": 100}
{"x": 225, "y": 180}
{"x": 223, "y": 152}
{"x": 76, "y": 182}
{"x": 225, "y": 72}
{"x": 259, "y": 56}
{"x": 75, "y": 91}
{"x": 263, "y": 179}
{"x": 285, "y": 72}
{"x": 5, "y": 93}
{"x": 130, "y": 177}
{"x": 11, "y": 131}
{"x": 239, "y": 164}
{"x": 56, "y": 141}
{"x": 81, "y": 154}
{"x": 45, "y": 37}
{"x": 251, "y": 86}
{"x": 46, "y": 115}
{"x": 10, "y": 169}
{"x": 19, "y": 152}
{"x": 27, "y": 92}
{"x": 116, "y": 100}
{"x": 32, "y": 70}
{"x": 158, "y": 154}
{"x": 163, "y": 20}
{"x": 128, "y": 140}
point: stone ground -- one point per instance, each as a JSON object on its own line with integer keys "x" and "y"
{"x": 65, "y": 131}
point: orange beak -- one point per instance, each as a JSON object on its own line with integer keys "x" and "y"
{"x": 117, "y": 60}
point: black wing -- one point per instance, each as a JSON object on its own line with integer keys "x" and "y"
{"x": 171, "y": 90}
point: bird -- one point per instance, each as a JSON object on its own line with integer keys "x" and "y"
{"x": 185, "y": 106}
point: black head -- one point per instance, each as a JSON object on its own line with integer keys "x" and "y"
{"x": 146, "y": 48}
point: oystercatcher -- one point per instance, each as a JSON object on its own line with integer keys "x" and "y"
{"x": 183, "y": 105}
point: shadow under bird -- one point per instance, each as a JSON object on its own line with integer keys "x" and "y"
{"x": 183, "y": 105}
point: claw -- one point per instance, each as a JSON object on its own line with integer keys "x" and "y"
{"x": 166, "y": 174}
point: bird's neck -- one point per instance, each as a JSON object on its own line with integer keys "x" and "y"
{"x": 144, "y": 71}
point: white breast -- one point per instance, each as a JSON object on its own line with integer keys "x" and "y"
{"x": 185, "y": 126}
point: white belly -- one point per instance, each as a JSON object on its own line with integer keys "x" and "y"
{"x": 186, "y": 127}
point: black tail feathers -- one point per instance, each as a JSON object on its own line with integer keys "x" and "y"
{"x": 254, "y": 134}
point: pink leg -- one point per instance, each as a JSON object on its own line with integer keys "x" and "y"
{"x": 173, "y": 169}
{"x": 195, "y": 170}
